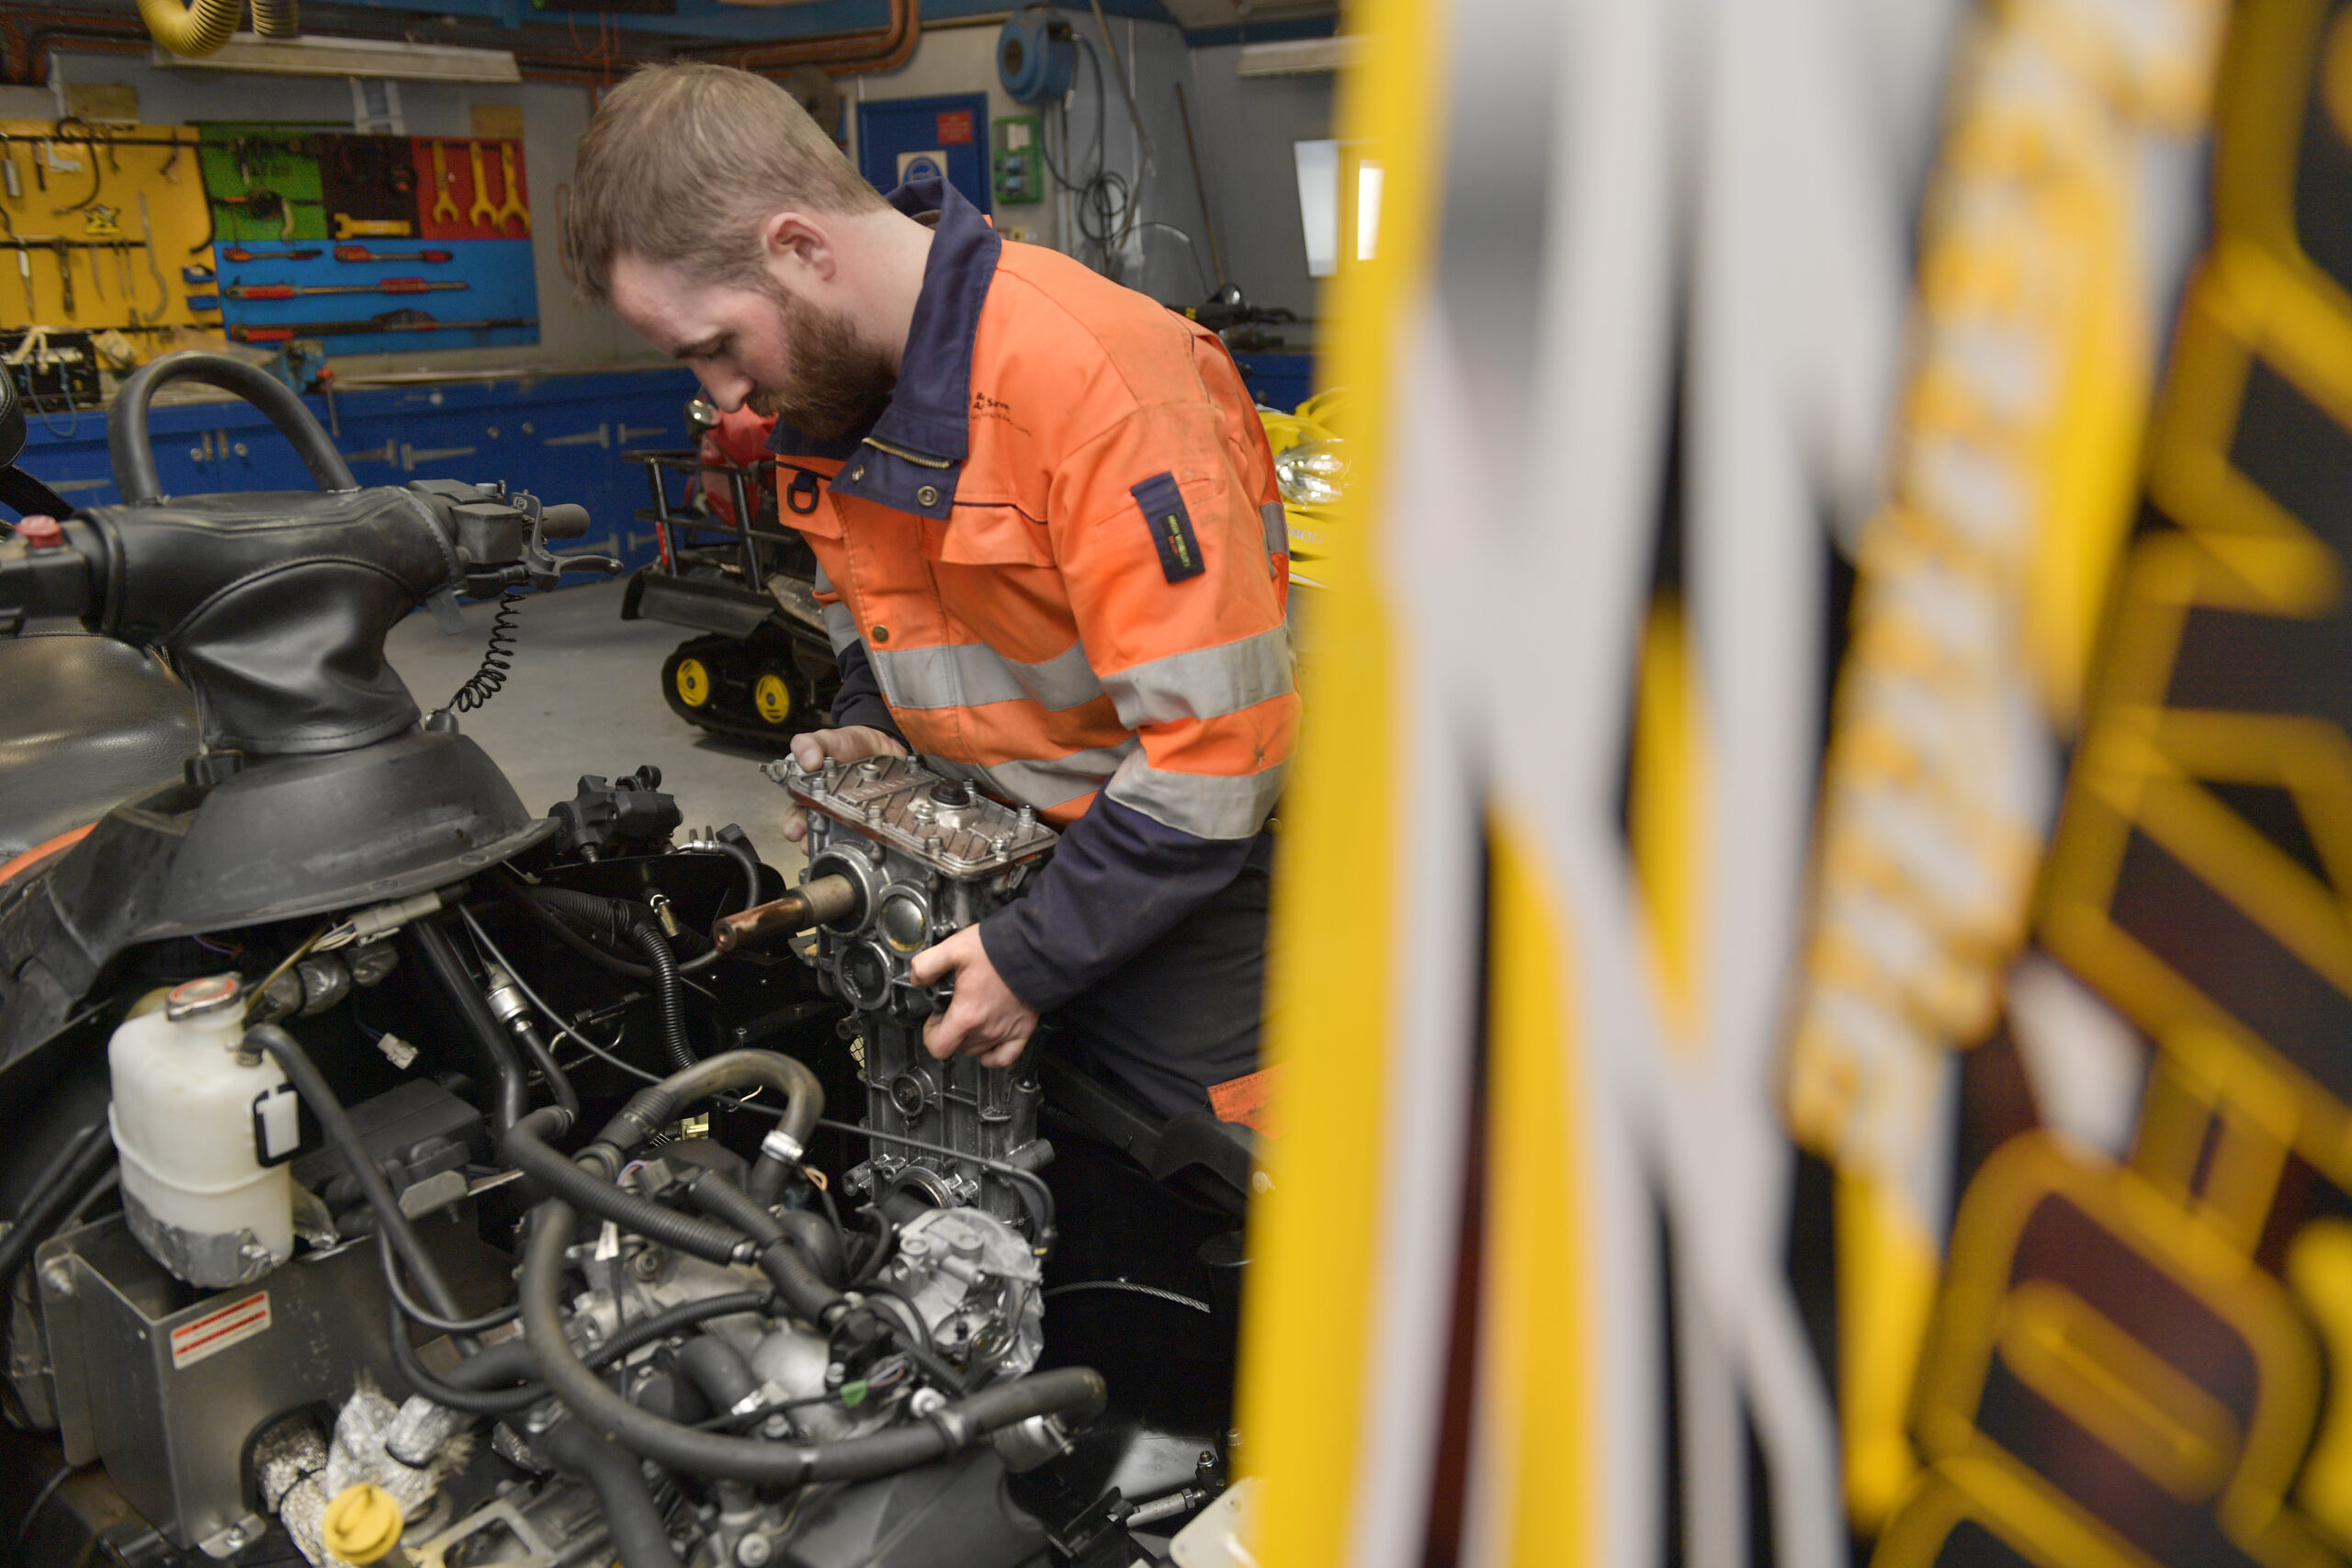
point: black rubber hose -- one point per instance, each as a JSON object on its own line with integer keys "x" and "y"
{"x": 750, "y": 864}
{"x": 559, "y": 1081}
{"x": 1063, "y": 1390}
{"x": 778, "y": 1258}
{"x": 652, "y": 1107}
{"x": 134, "y": 457}
{"x": 638, "y": 1537}
{"x": 524, "y": 1147}
{"x": 593, "y": 925}
{"x": 818, "y": 1242}
{"x": 64, "y": 1189}
{"x": 669, "y": 994}
{"x": 719, "y": 1370}
{"x": 303, "y": 1074}
{"x": 440, "y": 956}
{"x": 477, "y": 1384}
{"x": 473, "y": 1402}
{"x": 536, "y": 905}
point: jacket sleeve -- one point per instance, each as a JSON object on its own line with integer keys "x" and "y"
{"x": 1174, "y": 576}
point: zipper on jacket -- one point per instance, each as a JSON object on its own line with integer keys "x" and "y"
{"x": 916, "y": 458}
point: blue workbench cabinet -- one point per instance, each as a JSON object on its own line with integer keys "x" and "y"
{"x": 559, "y": 436}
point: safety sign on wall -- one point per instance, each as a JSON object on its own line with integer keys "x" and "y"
{"x": 368, "y": 243}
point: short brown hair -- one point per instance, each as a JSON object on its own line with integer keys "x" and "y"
{"x": 683, "y": 163}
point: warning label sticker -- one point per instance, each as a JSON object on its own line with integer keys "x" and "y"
{"x": 219, "y": 1329}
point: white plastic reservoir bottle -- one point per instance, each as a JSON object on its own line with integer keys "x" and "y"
{"x": 194, "y": 1122}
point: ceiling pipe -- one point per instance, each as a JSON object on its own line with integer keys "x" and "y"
{"x": 876, "y": 49}
{"x": 542, "y": 54}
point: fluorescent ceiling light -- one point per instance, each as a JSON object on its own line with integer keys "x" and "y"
{"x": 1298, "y": 57}
{"x": 349, "y": 57}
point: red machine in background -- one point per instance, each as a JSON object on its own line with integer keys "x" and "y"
{"x": 761, "y": 668}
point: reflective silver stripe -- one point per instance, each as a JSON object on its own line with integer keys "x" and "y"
{"x": 1277, "y": 528}
{"x": 840, "y": 627}
{"x": 824, "y": 584}
{"x": 1204, "y": 682}
{"x": 971, "y": 674}
{"x": 1050, "y": 782}
{"x": 1206, "y": 805}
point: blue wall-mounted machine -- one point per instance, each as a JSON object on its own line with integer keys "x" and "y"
{"x": 1035, "y": 58}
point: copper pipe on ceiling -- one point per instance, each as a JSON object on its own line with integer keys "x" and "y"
{"x": 880, "y": 49}
{"x": 876, "y": 48}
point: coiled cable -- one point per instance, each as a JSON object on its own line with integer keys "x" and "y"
{"x": 497, "y": 658}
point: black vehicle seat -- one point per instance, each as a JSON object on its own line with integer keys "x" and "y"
{"x": 84, "y": 722}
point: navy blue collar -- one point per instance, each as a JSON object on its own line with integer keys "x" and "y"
{"x": 912, "y": 456}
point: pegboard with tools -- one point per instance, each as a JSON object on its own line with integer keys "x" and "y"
{"x": 369, "y": 244}
{"x": 95, "y": 224}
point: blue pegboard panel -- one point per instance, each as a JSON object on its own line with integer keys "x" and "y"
{"x": 900, "y": 139}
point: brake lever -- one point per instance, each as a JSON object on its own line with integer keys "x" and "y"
{"x": 542, "y": 565}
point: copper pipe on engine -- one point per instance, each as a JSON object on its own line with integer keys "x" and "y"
{"x": 812, "y": 903}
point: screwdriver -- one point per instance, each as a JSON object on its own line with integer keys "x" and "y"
{"x": 291, "y": 290}
{"x": 362, "y": 253}
{"x": 239, "y": 254}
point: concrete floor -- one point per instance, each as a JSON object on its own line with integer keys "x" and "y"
{"x": 583, "y": 696}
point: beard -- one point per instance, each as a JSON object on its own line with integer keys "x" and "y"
{"x": 840, "y": 383}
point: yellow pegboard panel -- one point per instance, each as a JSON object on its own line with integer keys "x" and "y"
{"x": 130, "y": 161}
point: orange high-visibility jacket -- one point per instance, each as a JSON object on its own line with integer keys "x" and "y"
{"x": 1060, "y": 557}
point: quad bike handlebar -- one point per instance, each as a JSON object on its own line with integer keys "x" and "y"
{"x": 275, "y": 605}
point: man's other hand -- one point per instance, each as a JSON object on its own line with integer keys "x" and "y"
{"x": 842, "y": 746}
{"x": 985, "y": 1020}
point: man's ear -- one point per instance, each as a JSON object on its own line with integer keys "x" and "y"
{"x": 798, "y": 247}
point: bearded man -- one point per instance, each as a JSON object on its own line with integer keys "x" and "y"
{"x": 1053, "y": 559}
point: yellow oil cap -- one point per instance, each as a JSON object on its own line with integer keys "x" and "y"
{"x": 363, "y": 1526}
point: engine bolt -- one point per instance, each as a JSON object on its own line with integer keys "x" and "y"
{"x": 775, "y": 1426}
{"x": 834, "y": 1373}
{"x": 751, "y": 1551}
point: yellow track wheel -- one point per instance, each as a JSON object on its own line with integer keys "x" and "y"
{"x": 773, "y": 696}
{"x": 694, "y": 682}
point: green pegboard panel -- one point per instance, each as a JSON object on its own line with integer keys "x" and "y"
{"x": 1016, "y": 170}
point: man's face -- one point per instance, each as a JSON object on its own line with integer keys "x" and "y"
{"x": 762, "y": 347}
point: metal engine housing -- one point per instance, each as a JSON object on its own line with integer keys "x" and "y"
{"x": 929, "y": 856}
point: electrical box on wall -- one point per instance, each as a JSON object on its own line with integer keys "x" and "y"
{"x": 1015, "y": 168}
{"x": 904, "y": 139}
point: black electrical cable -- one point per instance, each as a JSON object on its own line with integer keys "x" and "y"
{"x": 1129, "y": 1286}
{"x": 722, "y": 1457}
{"x": 667, "y": 994}
{"x": 303, "y": 1074}
{"x": 426, "y": 1317}
{"x": 40, "y": 1501}
{"x": 58, "y": 1162}
{"x": 35, "y": 1221}
{"x": 441, "y": 959}
{"x": 497, "y": 658}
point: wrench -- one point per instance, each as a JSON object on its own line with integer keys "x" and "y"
{"x": 482, "y": 212}
{"x": 65, "y": 273}
{"x": 514, "y": 207}
{"x": 444, "y": 210}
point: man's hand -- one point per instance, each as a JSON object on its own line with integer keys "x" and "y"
{"x": 842, "y": 746}
{"x": 985, "y": 1020}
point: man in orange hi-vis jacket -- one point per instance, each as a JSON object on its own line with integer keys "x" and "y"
{"x": 1053, "y": 558}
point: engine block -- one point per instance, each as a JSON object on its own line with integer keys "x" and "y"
{"x": 928, "y": 856}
